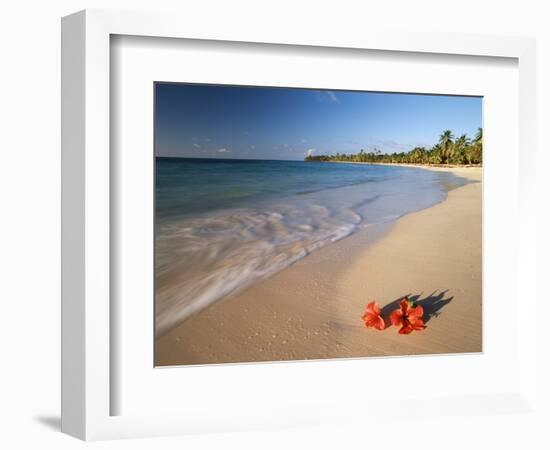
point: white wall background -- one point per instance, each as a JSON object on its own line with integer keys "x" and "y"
{"x": 29, "y": 225}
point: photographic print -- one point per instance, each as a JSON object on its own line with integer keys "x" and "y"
{"x": 311, "y": 224}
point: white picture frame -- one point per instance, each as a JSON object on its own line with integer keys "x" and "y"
{"x": 87, "y": 353}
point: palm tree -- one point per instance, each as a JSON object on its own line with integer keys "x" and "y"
{"x": 478, "y": 138}
{"x": 460, "y": 149}
{"x": 477, "y": 149}
{"x": 445, "y": 144}
{"x": 463, "y": 141}
{"x": 416, "y": 155}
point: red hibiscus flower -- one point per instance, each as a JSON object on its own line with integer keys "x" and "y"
{"x": 372, "y": 317}
{"x": 408, "y": 317}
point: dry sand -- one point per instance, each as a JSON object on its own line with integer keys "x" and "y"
{"x": 313, "y": 309}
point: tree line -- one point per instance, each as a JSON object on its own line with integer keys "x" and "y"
{"x": 448, "y": 150}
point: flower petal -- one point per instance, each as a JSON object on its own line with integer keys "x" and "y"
{"x": 369, "y": 319}
{"x": 404, "y": 304}
{"x": 418, "y": 325}
{"x": 380, "y": 324}
{"x": 417, "y": 311}
{"x": 373, "y": 307}
{"x": 406, "y": 328}
{"x": 396, "y": 317}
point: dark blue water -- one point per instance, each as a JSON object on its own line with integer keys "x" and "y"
{"x": 188, "y": 186}
{"x": 222, "y": 225}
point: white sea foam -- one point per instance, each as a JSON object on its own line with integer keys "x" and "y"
{"x": 201, "y": 260}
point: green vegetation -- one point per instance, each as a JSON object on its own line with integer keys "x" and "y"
{"x": 459, "y": 151}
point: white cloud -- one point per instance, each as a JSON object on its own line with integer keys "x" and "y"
{"x": 196, "y": 146}
{"x": 252, "y": 147}
{"x": 310, "y": 152}
{"x": 332, "y": 97}
{"x": 303, "y": 140}
{"x": 326, "y": 96}
{"x": 223, "y": 150}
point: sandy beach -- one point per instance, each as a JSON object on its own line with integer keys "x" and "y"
{"x": 313, "y": 309}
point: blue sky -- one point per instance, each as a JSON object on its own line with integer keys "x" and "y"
{"x": 214, "y": 121}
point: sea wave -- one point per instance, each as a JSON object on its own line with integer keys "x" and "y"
{"x": 201, "y": 260}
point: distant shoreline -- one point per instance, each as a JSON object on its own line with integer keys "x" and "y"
{"x": 425, "y": 166}
{"x": 441, "y": 166}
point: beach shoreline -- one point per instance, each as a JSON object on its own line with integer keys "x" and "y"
{"x": 419, "y": 166}
{"x": 312, "y": 309}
